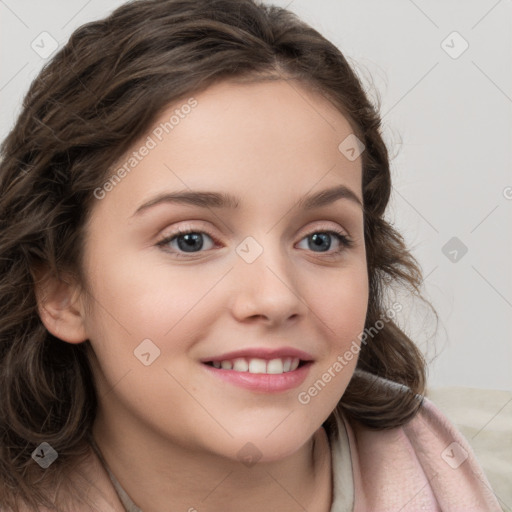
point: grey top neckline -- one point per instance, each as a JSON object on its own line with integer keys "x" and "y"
{"x": 127, "y": 502}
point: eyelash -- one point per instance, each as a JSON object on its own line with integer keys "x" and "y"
{"x": 345, "y": 241}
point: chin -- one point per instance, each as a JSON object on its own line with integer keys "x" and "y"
{"x": 261, "y": 448}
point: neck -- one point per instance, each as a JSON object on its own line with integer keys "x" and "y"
{"x": 160, "y": 475}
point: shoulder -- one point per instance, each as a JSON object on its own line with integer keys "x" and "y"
{"x": 425, "y": 464}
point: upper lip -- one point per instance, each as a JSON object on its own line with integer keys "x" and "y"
{"x": 261, "y": 353}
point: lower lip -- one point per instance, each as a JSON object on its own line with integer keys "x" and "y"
{"x": 263, "y": 382}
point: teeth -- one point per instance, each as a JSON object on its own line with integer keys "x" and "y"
{"x": 255, "y": 365}
{"x": 275, "y": 366}
{"x": 241, "y": 365}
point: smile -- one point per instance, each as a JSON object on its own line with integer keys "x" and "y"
{"x": 256, "y": 365}
{"x": 263, "y": 371}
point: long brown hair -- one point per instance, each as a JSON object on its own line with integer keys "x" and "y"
{"x": 87, "y": 106}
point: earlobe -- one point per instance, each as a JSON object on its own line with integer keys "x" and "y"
{"x": 60, "y": 307}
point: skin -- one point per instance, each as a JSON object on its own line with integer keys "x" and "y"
{"x": 170, "y": 431}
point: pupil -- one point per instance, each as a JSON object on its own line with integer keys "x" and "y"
{"x": 192, "y": 241}
{"x": 319, "y": 239}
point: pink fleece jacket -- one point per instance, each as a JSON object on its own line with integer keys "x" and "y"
{"x": 426, "y": 465}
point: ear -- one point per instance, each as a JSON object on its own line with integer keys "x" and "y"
{"x": 60, "y": 307}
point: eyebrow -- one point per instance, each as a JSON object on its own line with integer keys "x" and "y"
{"x": 224, "y": 200}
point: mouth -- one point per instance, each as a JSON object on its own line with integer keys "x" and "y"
{"x": 267, "y": 371}
{"x": 256, "y": 365}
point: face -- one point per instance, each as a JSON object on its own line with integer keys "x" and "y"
{"x": 215, "y": 338}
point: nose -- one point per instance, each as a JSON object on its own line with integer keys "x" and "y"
{"x": 267, "y": 290}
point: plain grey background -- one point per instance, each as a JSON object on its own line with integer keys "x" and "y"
{"x": 443, "y": 72}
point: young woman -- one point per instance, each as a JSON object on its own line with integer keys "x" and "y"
{"x": 194, "y": 265}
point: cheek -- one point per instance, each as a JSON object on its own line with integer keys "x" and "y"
{"x": 342, "y": 305}
{"x": 171, "y": 306}
{"x": 342, "y": 310}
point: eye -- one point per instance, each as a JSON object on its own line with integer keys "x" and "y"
{"x": 186, "y": 241}
{"x": 190, "y": 241}
{"x": 321, "y": 241}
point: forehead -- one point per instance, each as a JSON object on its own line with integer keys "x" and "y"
{"x": 286, "y": 108}
{"x": 253, "y": 138}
